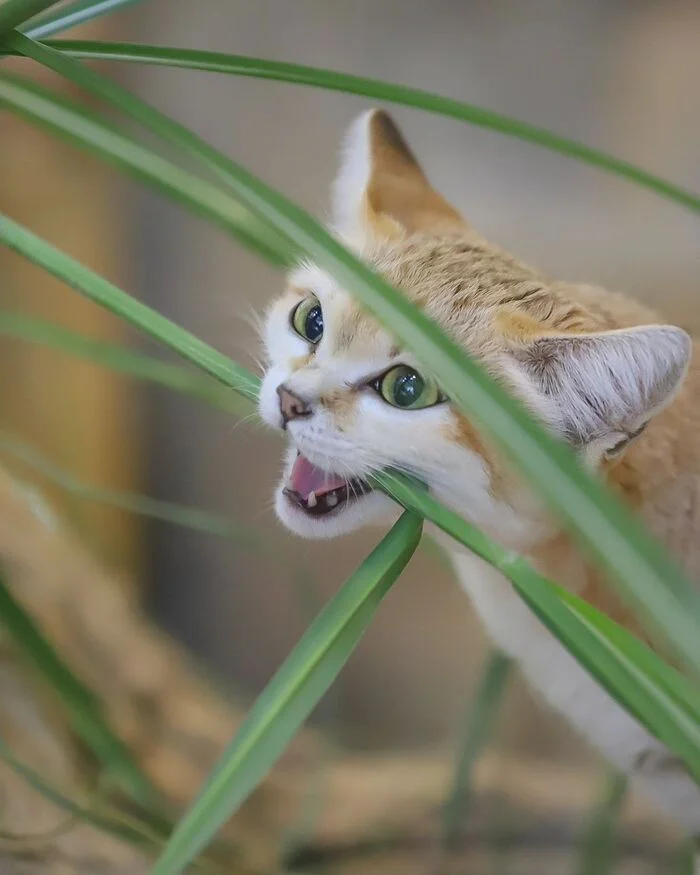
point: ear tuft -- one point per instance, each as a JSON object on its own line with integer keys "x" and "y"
{"x": 608, "y": 384}
{"x": 381, "y": 189}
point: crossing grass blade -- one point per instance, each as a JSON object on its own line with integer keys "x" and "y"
{"x": 291, "y": 695}
{"x": 81, "y": 706}
{"x": 412, "y": 497}
{"x": 596, "y": 854}
{"x": 72, "y": 14}
{"x": 661, "y": 698}
{"x": 478, "y": 727}
{"x": 123, "y": 360}
{"x": 300, "y": 74}
{"x": 69, "y": 120}
{"x": 102, "y": 292}
{"x": 421, "y": 502}
{"x": 643, "y": 573}
{"x": 194, "y": 518}
{"x": 13, "y": 13}
{"x": 139, "y": 827}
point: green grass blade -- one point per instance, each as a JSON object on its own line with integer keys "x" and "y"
{"x": 73, "y": 14}
{"x": 683, "y": 861}
{"x": 596, "y": 856}
{"x": 81, "y": 706}
{"x": 263, "y": 237}
{"x": 60, "y": 800}
{"x": 125, "y": 361}
{"x": 64, "y": 117}
{"x": 291, "y": 695}
{"x": 100, "y": 290}
{"x": 143, "y": 829}
{"x": 677, "y": 687}
{"x": 412, "y": 497}
{"x": 656, "y": 694}
{"x": 166, "y": 511}
{"x": 478, "y": 726}
{"x": 415, "y": 498}
{"x": 584, "y": 632}
{"x": 645, "y": 575}
{"x": 261, "y": 68}
{"x": 13, "y": 13}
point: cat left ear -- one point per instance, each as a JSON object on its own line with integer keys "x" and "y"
{"x": 600, "y": 390}
{"x": 381, "y": 190}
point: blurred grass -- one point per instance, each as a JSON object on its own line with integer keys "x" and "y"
{"x": 478, "y": 726}
{"x": 193, "y": 518}
{"x": 81, "y": 706}
{"x": 125, "y": 361}
{"x": 597, "y": 850}
{"x": 70, "y": 15}
{"x": 645, "y": 575}
{"x": 275, "y": 228}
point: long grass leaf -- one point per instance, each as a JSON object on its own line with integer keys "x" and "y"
{"x": 645, "y": 575}
{"x": 142, "y": 829}
{"x": 376, "y": 89}
{"x": 194, "y": 518}
{"x": 653, "y": 692}
{"x": 291, "y": 695}
{"x": 683, "y": 862}
{"x": 478, "y": 725}
{"x": 72, "y": 14}
{"x": 100, "y": 290}
{"x": 14, "y": 13}
{"x": 414, "y": 498}
{"x": 125, "y": 361}
{"x": 72, "y": 122}
{"x": 81, "y": 706}
{"x": 596, "y": 854}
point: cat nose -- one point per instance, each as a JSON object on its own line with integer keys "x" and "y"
{"x": 292, "y": 406}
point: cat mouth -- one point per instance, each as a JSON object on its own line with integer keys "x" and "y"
{"x": 319, "y": 493}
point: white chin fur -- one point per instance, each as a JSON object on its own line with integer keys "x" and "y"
{"x": 370, "y": 509}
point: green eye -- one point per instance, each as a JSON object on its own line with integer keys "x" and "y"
{"x": 307, "y": 319}
{"x": 405, "y": 388}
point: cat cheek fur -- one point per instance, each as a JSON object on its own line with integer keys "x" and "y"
{"x": 594, "y": 366}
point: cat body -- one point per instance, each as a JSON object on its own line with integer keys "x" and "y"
{"x": 599, "y": 370}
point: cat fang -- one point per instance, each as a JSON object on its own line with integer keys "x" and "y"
{"x": 599, "y": 370}
{"x": 318, "y": 493}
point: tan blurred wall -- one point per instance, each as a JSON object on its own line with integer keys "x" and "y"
{"x": 81, "y": 417}
{"x": 620, "y": 75}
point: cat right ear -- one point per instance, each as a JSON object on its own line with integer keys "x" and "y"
{"x": 602, "y": 388}
{"x": 381, "y": 191}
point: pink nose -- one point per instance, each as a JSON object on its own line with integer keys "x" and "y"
{"x": 291, "y": 405}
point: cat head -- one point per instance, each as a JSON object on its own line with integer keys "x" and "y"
{"x": 352, "y": 400}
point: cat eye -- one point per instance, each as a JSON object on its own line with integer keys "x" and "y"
{"x": 405, "y": 388}
{"x": 307, "y": 319}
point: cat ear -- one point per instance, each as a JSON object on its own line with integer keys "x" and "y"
{"x": 381, "y": 190}
{"x": 602, "y": 389}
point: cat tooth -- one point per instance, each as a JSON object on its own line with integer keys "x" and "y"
{"x": 332, "y": 499}
{"x": 312, "y": 501}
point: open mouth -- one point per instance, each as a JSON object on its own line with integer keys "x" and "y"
{"x": 319, "y": 493}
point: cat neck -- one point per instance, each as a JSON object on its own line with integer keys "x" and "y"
{"x": 659, "y": 480}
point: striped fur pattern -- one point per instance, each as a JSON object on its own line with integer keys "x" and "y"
{"x": 598, "y": 369}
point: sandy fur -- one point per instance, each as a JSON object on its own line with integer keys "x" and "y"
{"x": 554, "y": 344}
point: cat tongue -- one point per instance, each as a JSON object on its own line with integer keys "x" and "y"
{"x": 307, "y": 478}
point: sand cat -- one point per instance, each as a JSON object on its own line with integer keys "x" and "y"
{"x": 598, "y": 369}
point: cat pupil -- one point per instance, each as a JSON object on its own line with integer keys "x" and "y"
{"x": 313, "y": 327}
{"x": 408, "y": 388}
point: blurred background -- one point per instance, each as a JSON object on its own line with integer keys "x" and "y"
{"x": 619, "y": 75}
